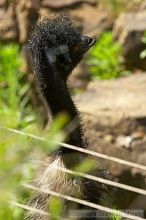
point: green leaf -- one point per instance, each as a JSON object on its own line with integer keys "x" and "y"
{"x": 55, "y": 208}
{"x": 143, "y": 54}
{"x": 104, "y": 59}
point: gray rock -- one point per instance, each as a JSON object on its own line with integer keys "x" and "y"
{"x": 8, "y": 24}
{"x": 57, "y": 4}
{"x": 16, "y": 19}
{"x": 27, "y": 15}
{"x": 128, "y": 30}
{"x": 111, "y": 100}
{"x": 2, "y": 2}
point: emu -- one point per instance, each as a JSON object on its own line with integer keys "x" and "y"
{"x": 54, "y": 49}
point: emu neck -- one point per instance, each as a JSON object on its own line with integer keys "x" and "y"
{"x": 56, "y": 94}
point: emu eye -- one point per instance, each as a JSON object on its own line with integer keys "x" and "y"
{"x": 88, "y": 41}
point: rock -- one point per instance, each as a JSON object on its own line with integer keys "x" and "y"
{"x": 2, "y": 3}
{"x": 143, "y": 6}
{"x": 27, "y": 15}
{"x": 83, "y": 14}
{"x": 138, "y": 135}
{"x": 109, "y": 138}
{"x": 141, "y": 160}
{"x": 111, "y": 100}
{"x": 127, "y": 141}
{"x": 124, "y": 141}
{"x": 64, "y": 3}
{"x": 128, "y": 30}
{"x": 17, "y": 19}
{"x": 8, "y": 23}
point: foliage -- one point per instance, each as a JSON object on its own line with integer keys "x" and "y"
{"x": 114, "y": 217}
{"x": 114, "y": 6}
{"x": 143, "y": 53}
{"x": 13, "y": 97}
{"x": 13, "y": 150}
{"x": 16, "y": 150}
{"x": 17, "y": 147}
{"x": 105, "y": 60}
{"x": 55, "y": 208}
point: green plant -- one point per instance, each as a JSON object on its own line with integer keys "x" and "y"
{"x": 13, "y": 98}
{"x": 13, "y": 101}
{"x": 143, "y": 53}
{"x": 114, "y": 6}
{"x": 105, "y": 60}
{"x": 114, "y": 217}
{"x": 15, "y": 148}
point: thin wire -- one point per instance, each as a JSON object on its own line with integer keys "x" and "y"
{"x": 98, "y": 179}
{"x": 100, "y": 155}
{"x": 96, "y": 154}
{"x": 86, "y": 203}
{"x": 92, "y": 205}
{"x": 23, "y": 206}
{"x": 35, "y": 210}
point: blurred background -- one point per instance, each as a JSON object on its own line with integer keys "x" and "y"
{"x": 109, "y": 86}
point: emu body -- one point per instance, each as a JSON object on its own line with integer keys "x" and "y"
{"x": 54, "y": 49}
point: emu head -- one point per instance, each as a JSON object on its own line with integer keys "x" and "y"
{"x": 62, "y": 43}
